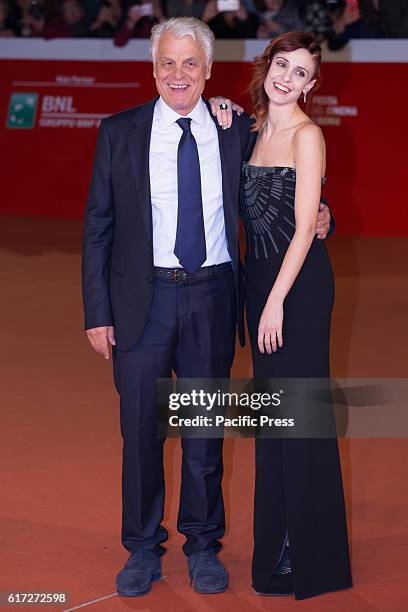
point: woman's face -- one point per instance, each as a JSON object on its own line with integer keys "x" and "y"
{"x": 289, "y": 76}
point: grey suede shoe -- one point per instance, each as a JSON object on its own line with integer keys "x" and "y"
{"x": 207, "y": 573}
{"x": 140, "y": 570}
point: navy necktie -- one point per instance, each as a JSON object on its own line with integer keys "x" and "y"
{"x": 190, "y": 237}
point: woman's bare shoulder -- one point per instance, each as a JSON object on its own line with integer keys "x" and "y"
{"x": 308, "y": 143}
{"x": 308, "y": 131}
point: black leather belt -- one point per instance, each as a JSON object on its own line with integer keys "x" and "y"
{"x": 180, "y": 274}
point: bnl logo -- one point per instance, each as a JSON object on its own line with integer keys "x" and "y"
{"x": 22, "y": 110}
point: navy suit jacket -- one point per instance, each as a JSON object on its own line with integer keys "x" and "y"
{"x": 117, "y": 262}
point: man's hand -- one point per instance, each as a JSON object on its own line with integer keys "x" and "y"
{"x": 100, "y": 338}
{"x": 224, "y": 117}
{"x": 323, "y": 221}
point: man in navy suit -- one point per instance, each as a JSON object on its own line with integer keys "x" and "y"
{"x": 161, "y": 285}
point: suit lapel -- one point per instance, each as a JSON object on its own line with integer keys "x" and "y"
{"x": 139, "y": 148}
{"x": 250, "y": 146}
{"x": 230, "y": 154}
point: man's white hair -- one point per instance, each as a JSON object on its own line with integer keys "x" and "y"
{"x": 184, "y": 26}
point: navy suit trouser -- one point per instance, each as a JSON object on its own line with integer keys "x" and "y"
{"x": 190, "y": 330}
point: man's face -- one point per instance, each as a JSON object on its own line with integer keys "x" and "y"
{"x": 180, "y": 70}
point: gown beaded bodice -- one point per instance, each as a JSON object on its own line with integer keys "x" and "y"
{"x": 267, "y": 208}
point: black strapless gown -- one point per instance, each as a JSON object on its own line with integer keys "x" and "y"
{"x": 298, "y": 486}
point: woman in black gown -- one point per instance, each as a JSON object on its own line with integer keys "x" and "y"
{"x": 300, "y": 531}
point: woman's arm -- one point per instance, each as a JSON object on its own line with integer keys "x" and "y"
{"x": 309, "y": 149}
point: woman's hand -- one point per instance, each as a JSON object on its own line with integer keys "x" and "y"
{"x": 224, "y": 117}
{"x": 270, "y": 326}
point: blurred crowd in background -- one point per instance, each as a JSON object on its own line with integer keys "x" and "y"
{"x": 336, "y": 21}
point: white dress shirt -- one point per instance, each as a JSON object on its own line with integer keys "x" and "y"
{"x": 164, "y": 143}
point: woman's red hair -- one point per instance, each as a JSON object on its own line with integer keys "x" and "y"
{"x": 281, "y": 44}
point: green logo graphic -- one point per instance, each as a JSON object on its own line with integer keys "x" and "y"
{"x": 22, "y": 109}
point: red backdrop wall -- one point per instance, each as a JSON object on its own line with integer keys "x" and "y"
{"x": 47, "y": 151}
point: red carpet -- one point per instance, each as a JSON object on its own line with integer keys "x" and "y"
{"x": 61, "y": 445}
